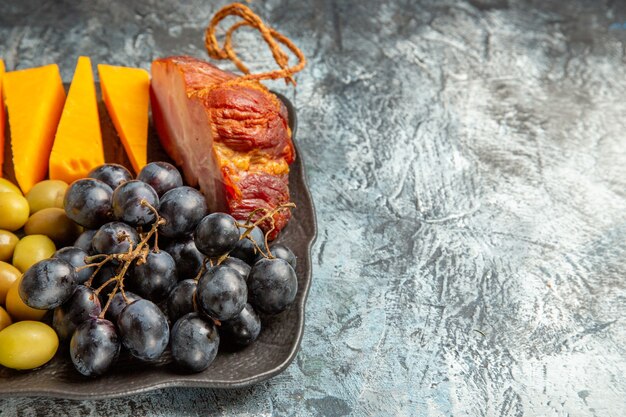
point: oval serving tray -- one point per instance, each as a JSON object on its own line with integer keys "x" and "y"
{"x": 269, "y": 355}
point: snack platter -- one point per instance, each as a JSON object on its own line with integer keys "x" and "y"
{"x": 269, "y": 355}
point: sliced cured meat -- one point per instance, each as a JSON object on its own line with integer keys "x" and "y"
{"x": 230, "y": 136}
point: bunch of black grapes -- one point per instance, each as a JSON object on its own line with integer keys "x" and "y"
{"x": 116, "y": 287}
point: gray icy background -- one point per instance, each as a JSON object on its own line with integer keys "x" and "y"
{"x": 468, "y": 164}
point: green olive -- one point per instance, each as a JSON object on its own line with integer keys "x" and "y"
{"x": 54, "y": 223}
{"x": 7, "y": 244}
{"x": 45, "y": 194}
{"x": 27, "y": 345}
{"x": 5, "y": 319}
{"x": 8, "y": 275}
{"x": 7, "y": 186}
{"x": 13, "y": 211}
{"x": 32, "y": 249}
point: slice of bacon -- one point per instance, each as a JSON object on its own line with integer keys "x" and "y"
{"x": 231, "y": 137}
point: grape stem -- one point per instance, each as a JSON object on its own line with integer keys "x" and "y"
{"x": 202, "y": 268}
{"x": 140, "y": 252}
{"x": 159, "y": 220}
{"x": 87, "y": 266}
{"x": 98, "y": 266}
{"x": 111, "y": 295}
{"x": 119, "y": 278}
{"x": 89, "y": 259}
{"x": 249, "y": 226}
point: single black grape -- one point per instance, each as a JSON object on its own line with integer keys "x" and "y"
{"x": 128, "y": 203}
{"x": 194, "y": 342}
{"x": 113, "y": 175}
{"x": 88, "y": 202}
{"x": 115, "y": 237}
{"x": 76, "y": 257}
{"x": 182, "y": 208}
{"x": 243, "y": 329}
{"x": 221, "y": 292}
{"x": 283, "y": 252}
{"x": 154, "y": 278}
{"x": 216, "y": 234}
{"x": 187, "y": 257}
{"x": 105, "y": 273}
{"x": 118, "y": 303}
{"x": 246, "y": 250}
{"x": 161, "y": 176}
{"x": 94, "y": 346}
{"x": 84, "y": 241}
{"x": 273, "y": 285}
{"x": 144, "y": 330}
{"x": 83, "y": 304}
{"x": 47, "y": 284}
{"x": 180, "y": 300}
{"x": 238, "y": 265}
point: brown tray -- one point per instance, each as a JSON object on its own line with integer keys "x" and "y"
{"x": 269, "y": 355}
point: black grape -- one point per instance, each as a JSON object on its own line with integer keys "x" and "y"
{"x": 244, "y": 249}
{"x": 243, "y": 329}
{"x": 84, "y": 241}
{"x": 161, "y": 176}
{"x": 82, "y": 305}
{"x": 88, "y": 202}
{"x": 154, "y": 278}
{"x": 283, "y": 252}
{"x": 115, "y": 237}
{"x": 273, "y": 285}
{"x": 187, "y": 257}
{"x": 180, "y": 300}
{"x": 221, "y": 292}
{"x": 182, "y": 208}
{"x": 144, "y": 330}
{"x": 238, "y": 265}
{"x": 47, "y": 284}
{"x": 94, "y": 346}
{"x": 194, "y": 342}
{"x": 216, "y": 234}
{"x": 127, "y": 203}
{"x": 113, "y": 175}
{"x": 76, "y": 257}
{"x": 118, "y": 303}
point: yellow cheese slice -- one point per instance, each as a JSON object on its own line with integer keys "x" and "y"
{"x": 77, "y": 145}
{"x": 34, "y": 99}
{"x": 126, "y": 94}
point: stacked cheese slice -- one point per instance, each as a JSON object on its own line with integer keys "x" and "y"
{"x": 59, "y": 137}
{"x": 77, "y": 145}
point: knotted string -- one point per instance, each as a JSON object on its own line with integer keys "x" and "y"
{"x": 270, "y": 36}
